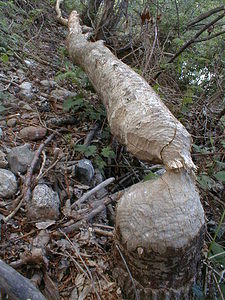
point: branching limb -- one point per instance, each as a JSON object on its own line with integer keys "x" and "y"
{"x": 206, "y": 15}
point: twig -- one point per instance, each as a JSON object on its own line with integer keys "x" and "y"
{"x": 206, "y": 15}
{"x": 83, "y": 262}
{"x": 210, "y": 37}
{"x": 93, "y": 191}
{"x": 91, "y": 135}
{"x": 218, "y": 287}
{"x": 128, "y": 271}
{"x": 191, "y": 41}
{"x": 103, "y": 232}
{"x": 61, "y": 20}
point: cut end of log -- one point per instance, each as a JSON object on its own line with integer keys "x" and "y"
{"x": 160, "y": 229}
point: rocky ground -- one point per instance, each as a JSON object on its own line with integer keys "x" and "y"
{"x": 62, "y": 246}
{"x": 55, "y": 148}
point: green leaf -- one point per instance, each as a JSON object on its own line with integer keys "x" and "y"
{"x": 86, "y": 150}
{"x": 220, "y": 176}
{"x": 74, "y": 103}
{"x": 100, "y": 163}
{"x": 2, "y": 108}
{"x": 218, "y": 250}
{"x": 150, "y": 176}
{"x": 187, "y": 99}
{"x": 205, "y": 181}
{"x": 4, "y": 58}
{"x": 108, "y": 152}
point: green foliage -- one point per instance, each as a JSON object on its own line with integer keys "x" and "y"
{"x": 220, "y": 176}
{"x": 86, "y": 150}
{"x": 107, "y": 152}
{"x": 150, "y": 176}
{"x": 74, "y": 75}
{"x": 98, "y": 155}
{"x": 74, "y": 104}
{"x": 205, "y": 181}
{"x": 84, "y": 108}
{"x": 4, "y": 58}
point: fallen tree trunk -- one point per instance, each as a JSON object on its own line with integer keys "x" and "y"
{"x": 16, "y": 286}
{"x": 160, "y": 223}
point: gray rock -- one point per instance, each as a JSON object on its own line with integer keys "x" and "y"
{"x": 26, "y": 86}
{"x": 29, "y": 63}
{"x": 61, "y": 94}
{"x": 84, "y": 171}
{"x": 3, "y": 161}
{"x": 44, "y": 204}
{"x": 1, "y": 133}
{"x": 20, "y": 158}
{"x": 26, "y": 90}
{"x": 12, "y": 122}
{"x": 8, "y": 183}
{"x": 48, "y": 83}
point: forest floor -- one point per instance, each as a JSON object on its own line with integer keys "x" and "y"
{"x": 75, "y": 257}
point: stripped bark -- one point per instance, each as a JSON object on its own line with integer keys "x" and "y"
{"x": 160, "y": 223}
{"x": 136, "y": 115}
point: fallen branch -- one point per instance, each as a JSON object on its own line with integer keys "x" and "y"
{"x": 17, "y": 286}
{"x": 93, "y": 191}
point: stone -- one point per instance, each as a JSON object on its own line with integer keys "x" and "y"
{"x": 26, "y": 90}
{"x": 3, "y": 161}
{"x": 44, "y": 204}
{"x": 12, "y": 122}
{"x": 33, "y": 133}
{"x": 8, "y": 183}
{"x": 20, "y": 158}
{"x": 1, "y": 133}
{"x": 48, "y": 83}
{"x": 61, "y": 94}
{"x": 26, "y": 86}
{"x": 84, "y": 171}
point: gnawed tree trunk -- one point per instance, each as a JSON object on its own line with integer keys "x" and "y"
{"x": 160, "y": 223}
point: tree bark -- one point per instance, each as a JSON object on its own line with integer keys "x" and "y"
{"x": 160, "y": 223}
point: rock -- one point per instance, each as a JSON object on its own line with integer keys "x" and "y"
{"x": 84, "y": 171}
{"x": 3, "y": 161}
{"x": 48, "y": 83}
{"x": 61, "y": 94}
{"x": 30, "y": 63}
{"x": 26, "y": 90}
{"x": 20, "y": 158}
{"x": 8, "y": 183}
{"x": 33, "y": 133}
{"x": 26, "y": 86}
{"x": 27, "y": 107}
{"x": 44, "y": 204}
{"x": 3, "y": 123}
{"x": 1, "y": 133}
{"x": 12, "y": 122}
